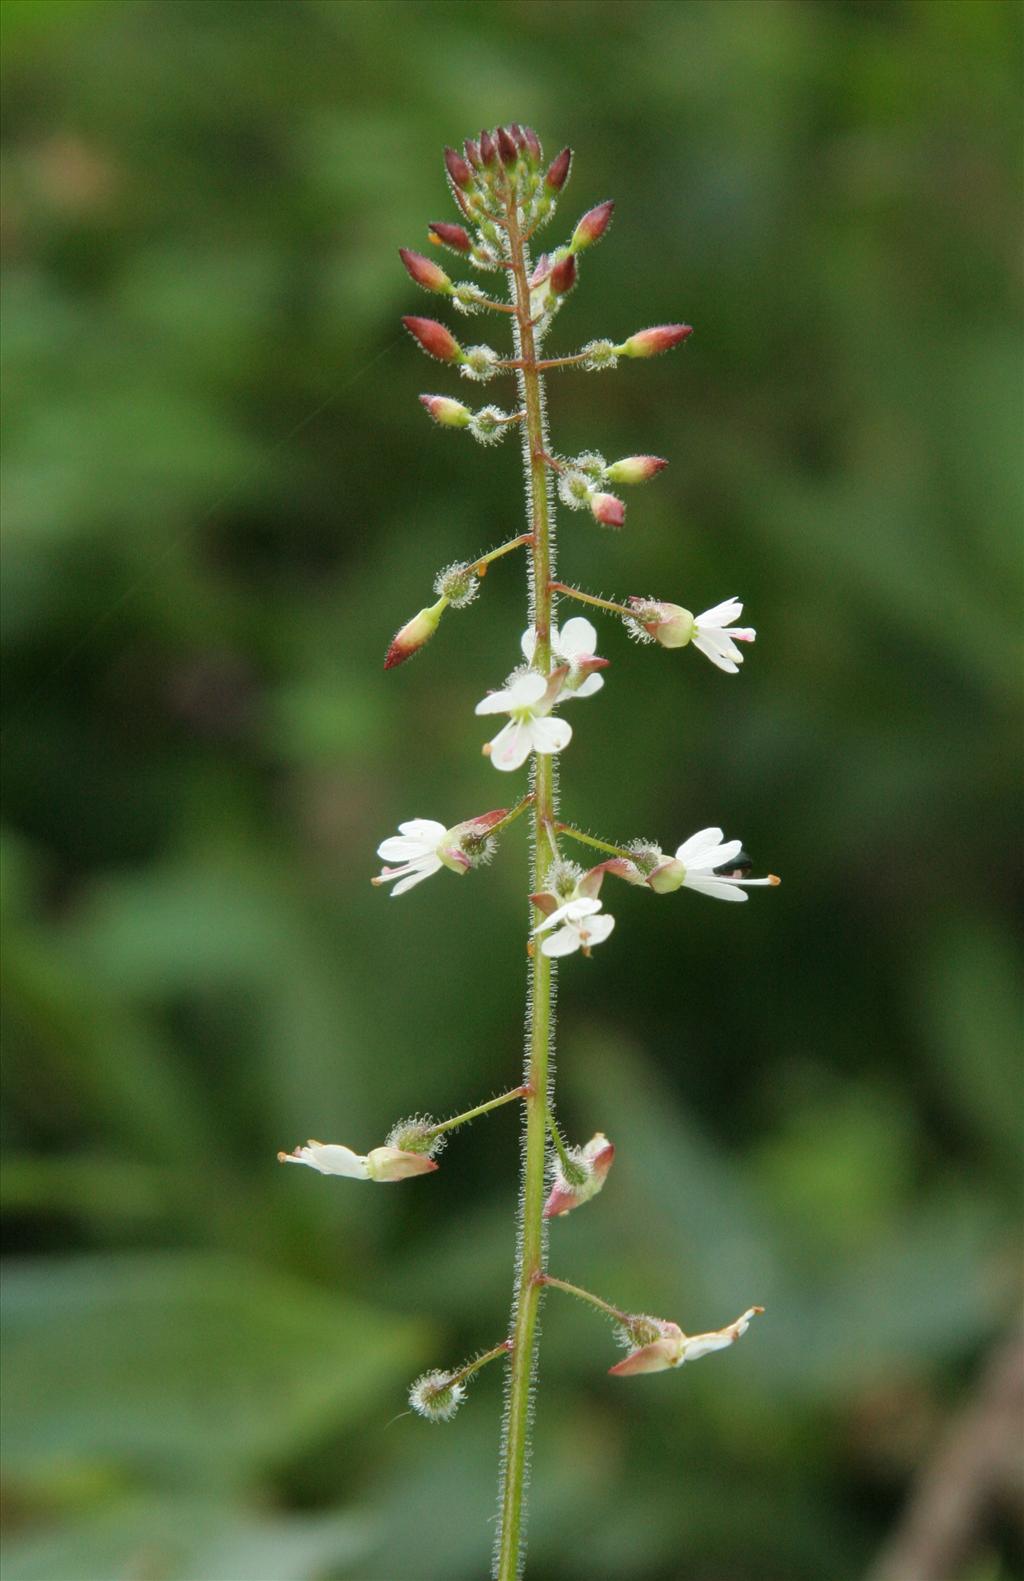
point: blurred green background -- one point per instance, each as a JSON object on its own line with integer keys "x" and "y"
{"x": 221, "y": 499}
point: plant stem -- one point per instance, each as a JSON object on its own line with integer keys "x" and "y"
{"x": 515, "y": 1447}
{"x": 479, "y": 1361}
{"x": 591, "y": 598}
{"x": 556, "y": 1136}
{"x": 599, "y": 845}
{"x": 482, "y": 561}
{"x": 481, "y": 1108}
{"x": 584, "y": 1295}
{"x": 510, "y": 817}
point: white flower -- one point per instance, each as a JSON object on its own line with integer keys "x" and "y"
{"x": 575, "y": 645}
{"x": 694, "y": 864}
{"x": 529, "y": 729}
{"x": 578, "y": 932}
{"x": 380, "y": 1163}
{"x": 415, "y": 846}
{"x": 717, "y": 640}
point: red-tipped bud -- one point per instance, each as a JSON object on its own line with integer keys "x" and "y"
{"x": 446, "y": 412}
{"x": 414, "y": 634}
{"x": 652, "y": 342}
{"x": 517, "y": 134}
{"x": 558, "y": 171}
{"x": 592, "y": 226}
{"x": 507, "y": 146}
{"x": 434, "y": 338}
{"x": 458, "y": 169}
{"x": 607, "y": 509}
{"x": 488, "y": 152}
{"x": 453, "y": 236}
{"x": 563, "y": 275}
{"x": 634, "y": 469}
{"x": 533, "y": 145}
{"x": 424, "y": 271}
{"x": 472, "y": 151}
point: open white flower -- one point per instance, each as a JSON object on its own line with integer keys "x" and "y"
{"x": 528, "y": 702}
{"x": 578, "y": 933}
{"x": 717, "y": 640}
{"x": 695, "y": 865}
{"x": 415, "y": 847}
{"x": 656, "y": 1345}
{"x": 574, "y": 644}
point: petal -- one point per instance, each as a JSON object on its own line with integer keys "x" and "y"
{"x": 714, "y": 856}
{"x": 718, "y": 659}
{"x": 511, "y": 746}
{"x": 550, "y": 735}
{"x": 528, "y": 643}
{"x": 722, "y": 614}
{"x": 527, "y": 689}
{"x": 649, "y": 1358}
{"x": 576, "y": 639}
{"x": 424, "y": 869}
{"x": 495, "y": 703}
{"x": 329, "y": 1158}
{"x": 564, "y": 942}
{"x": 597, "y": 929}
{"x": 719, "y": 888}
{"x": 425, "y": 829}
{"x": 691, "y": 851}
{"x": 400, "y": 848}
{"x": 592, "y": 684}
{"x": 573, "y": 911}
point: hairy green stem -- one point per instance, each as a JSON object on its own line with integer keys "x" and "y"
{"x": 474, "y": 1114}
{"x": 591, "y": 598}
{"x": 599, "y": 845}
{"x": 532, "y": 1247}
{"x": 584, "y": 1295}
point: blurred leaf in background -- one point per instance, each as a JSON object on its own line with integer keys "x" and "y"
{"x": 221, "y": 497}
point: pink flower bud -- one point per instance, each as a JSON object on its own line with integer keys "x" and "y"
{"x": 533, "y": 145}
{"x": 563, "y": 275}
{"x": 634, "y": 469}
{"x": 670, "y": 624}
{"x": 414, "y": 634}
{"x": 558, "y": 171}
{"x": 435, "y": 340}
{"x": 652, "y": 342}
{"x": 593, "y": 1161}
{"x": 472, "y": 152}
{"x": 449, "y": 413}
{"x": 507, "y": 147}
{"x": 424, "y": 271}
{"x": 607, "y": 509}
{"x": 592, "y": 226}
{"x": 453, "y": 236}
{"x": 391, "y": 1163}
{"x": 457, "y": 168}
{"x": 517, "y": 135}
{"x": 488, "y": 152}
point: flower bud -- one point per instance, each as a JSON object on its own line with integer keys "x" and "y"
{"x": 592, "y": 1163}
{"x": 634, "y": 469}
{"x": 437, "y": 1396}
{"x": 558, "y": 171}
{"x": 457, "y": 168}
{"x": 391, "y": 1163}
{"x": 563, "y": 275}
{"x": 454, "y": 236}
{"x": 446, "y": 412}
{"x": 424, "y": 271}
{"x": 652, "y": 342}
{"x": 607, "y": 509}
{"x": 469, "y": 844}
{"x": 472, "y": 152}
{"x": 414, "y": 634}
{"x": 435, "y": 340}
{"x": 488, "y": 152}
{"x": 592, "y": 226}
{"x": 670, "y": 624}
{"x": 507, "y": 147}
{"x": 536, "y": 153}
